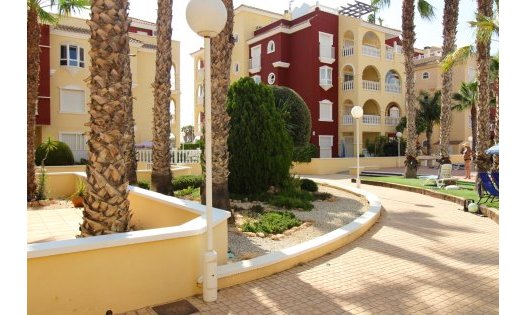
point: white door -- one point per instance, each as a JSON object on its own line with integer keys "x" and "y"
{"x": 325, "y": 146}
{"x": 255, "y": 54}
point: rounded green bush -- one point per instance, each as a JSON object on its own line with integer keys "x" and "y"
{"x": 60, "y": 155}
{"x": 272, "y": 222}
{"x": 185, "y": 181}
{"x": 309, "y": 185}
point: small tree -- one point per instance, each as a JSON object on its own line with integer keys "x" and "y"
{"x": 189, "y": 135}
{"x": 46, "y": 147}
{"x": 259, "y": 145}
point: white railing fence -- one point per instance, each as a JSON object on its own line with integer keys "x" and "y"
{"x": 176, "y": 156}
{"x": 348, "y": 51}
{"x": 392, "y": 121}
{"x": 255, "y": 63}
{"x": 348, "y": 85}
{"x": 371, "y": 120}
{"x": 371, "y": 85}
{"x": 370, "y": 51}
{"x": 392, "y": 88}
{"x": 347, "y": 120}
{"x": 389, "y": 53}
{"x": 327, "y": 51}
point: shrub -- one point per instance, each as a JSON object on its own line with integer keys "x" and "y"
{"x": 309, "y": 185}
{"x": 305, "y": 153}
{"x": 185, "y": 181}
{"x": 184, "y": 192}
{"x": 199, "y": 144}
{"x": 143, "y": 184}
{"x": 60, "y": 155}
{"x": 295, "y": 112}
{"x": 259, "y": 145}
{"x": 383, "y": 146}
{"x": 322, "y": 195}
{"x": 272, "y": 222}
{"x": 291, "y": 202}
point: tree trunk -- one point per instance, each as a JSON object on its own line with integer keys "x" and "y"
{"x": 161, "y": 175}
{"x": 33, "y": 70}
{"x": 428, "y": 138}
{"x": 483, "y": 161}
{"x": 106, "y": 206}
{"x": 474, "y": 126}
{"x": 495, "y": 167}
{"x": 408, "y": 34}
{"x": 221, "y": 55}
{"x": 131, "y": 162}
{"x": 450, "y": 21}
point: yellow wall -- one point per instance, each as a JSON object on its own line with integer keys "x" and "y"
{"x": 142, "y": 62}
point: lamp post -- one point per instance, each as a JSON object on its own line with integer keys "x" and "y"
{"x": 207, "y": 18}
{"x": 470, "y": 139}
{"x": 398, "y": 136}
{"x": 357, "y": 113}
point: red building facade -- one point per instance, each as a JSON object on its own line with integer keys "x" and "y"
{"x": 300, "y": 54}
{"x": 44, "y": 101}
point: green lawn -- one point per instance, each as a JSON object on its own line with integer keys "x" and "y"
{"x": 467, "y": 190}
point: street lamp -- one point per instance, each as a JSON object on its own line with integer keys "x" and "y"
{"x": 398, "y": 136}
{"x": 357, "y": 113}
{"x": 470, "y": 139}
{"x": 207, "y": 18}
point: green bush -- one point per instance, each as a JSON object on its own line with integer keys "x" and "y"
{"x": 305, "y": 153}
{"x": 383, "y": 146}
{"x": 199, "y": 144}
{"x": 185, "y": 181}
{"x": 260, "y": 147}
{"x": 143, "y": 184}
{"x": 309, "y": 185}
{"x": 292, "y": 202}
{"x": 322, "y": 195}
{"x": 272, "y": 222}
{"x": 60, "y": 155}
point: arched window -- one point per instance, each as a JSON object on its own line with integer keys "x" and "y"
{"x": 271, "y": 47}
{"x": 394, "y": 112}
{"x": 425, "y": 75}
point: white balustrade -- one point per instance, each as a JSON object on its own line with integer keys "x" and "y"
{"x": 255, "y": 63}
{"x": 327, "y": 51}
{"x": 393, "y": 88}
{"x": 348, "y": 85}
{"x": 389, "y": 53}
{"x": 371, "y": 85}
{"x": 392, "y": 121}
{"x": 371, "y": 120}
{"x": 348, "y": 51}
{"x": 370, "y": 51}
{"x": 347, "y": 120}
{"x": 176, "y": 156}
{"x": 398, "y": 49}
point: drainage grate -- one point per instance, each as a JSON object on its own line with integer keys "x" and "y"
{"x": 182, "y": 307}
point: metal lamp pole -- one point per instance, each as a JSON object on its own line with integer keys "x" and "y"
{"x": 398, "y": 136}
{"x": 357, "y": 113}
{"x": 207, "y": 18}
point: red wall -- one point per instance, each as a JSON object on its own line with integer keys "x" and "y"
{"x": 301, "y": 50}
{"x": 44, "y": 117}
{"x": 133, "y": 29}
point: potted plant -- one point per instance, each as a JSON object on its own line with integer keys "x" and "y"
{"x": 78, "y": 197}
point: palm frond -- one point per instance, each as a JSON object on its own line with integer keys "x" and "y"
{"x": 381, "y": 4}
{"x": 426, "y": 10}
{"x": 486, "y": 27}
{"x": 46, "y": 17}
{"x": 458, "y": 56}
{"x": 66, "y": 7}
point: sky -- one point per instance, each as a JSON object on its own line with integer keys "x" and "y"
{"x": 190, "y": 42}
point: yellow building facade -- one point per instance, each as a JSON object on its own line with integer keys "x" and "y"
{"x": 69, "y": 93}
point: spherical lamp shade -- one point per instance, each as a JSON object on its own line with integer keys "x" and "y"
{"x": 473, "y": 207}
{"x": 399, "y": 134}
{"x": 357, "y": 112}
{"x": 470, "y": 138}
{"x": 206, "y": 17}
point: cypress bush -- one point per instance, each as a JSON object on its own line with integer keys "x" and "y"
{"x": 60, "y": 155}
{"x": 295, "y": 113}
{"x": 259, "y": 145}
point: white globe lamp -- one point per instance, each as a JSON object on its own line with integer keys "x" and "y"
{"x": 206, "y": 17}
{"x": 473, "y": 207}
{"x": 357, "y": 113}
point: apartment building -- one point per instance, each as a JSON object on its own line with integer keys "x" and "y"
{"x": 334, "y": 61}
{"x": 63, "y": 92}
{"x": 428, "y": 77}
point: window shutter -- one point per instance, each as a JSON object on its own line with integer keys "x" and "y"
{"x": 72, "y": 101}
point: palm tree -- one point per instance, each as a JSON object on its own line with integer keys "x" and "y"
{"x": 494, "y": 77}
{"x": 483, "y": 161}
{"x": 129, "y": 133}
{"x": 161, "y": 174}
{"x": 221, "y": 55}
{"x": 450, "y": 21}
{"x": 429, "y": 113}
{"x": 466, "y": 98}
{"x": 36, "y": 12}
{"x": 426, "y": 11}
{"x": 106, "y": 205}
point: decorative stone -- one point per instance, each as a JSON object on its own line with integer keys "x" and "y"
{"x": 260, "y": 234}
{"x": 274, "y": 238}
{"x": 250, "y": 234}
{"x": 288, "y": 232}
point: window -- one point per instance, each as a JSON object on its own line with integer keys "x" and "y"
{"x": 325, "y": 110}
{"x": 472, "y": 74}
{"x": 326, "y": 48}
{"x": 236, "y": 67}
{"x": 257, "y": 79}
{"x": 71, "y": 55}
{"x": 394, "y": 112}
{"x": 326, "y": 77}
{"x": 200, "y": 91}
{"x": 425, "y": 75}
{"x": 326, "y": 143}
{"x": 271, "y": 78}
{"x": 72, "y": 100}
{"x": 255, "y": 60}
{"x": 271, "y": 47}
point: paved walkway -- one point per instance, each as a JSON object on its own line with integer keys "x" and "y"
{"x": 424, "y": 257}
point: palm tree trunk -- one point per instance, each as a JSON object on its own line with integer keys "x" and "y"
{"x": 408, "y": 34}
{"x": 429, "y": 133}
{"x": 161, "y": 175}
{"x": 483, "y": 161}
{"x": 221, "y": 55}
{"x": 450, "y": 21}
{"x": 131, "y": 162}
{"x": 474, "y": 127}
{"x": 495, "y": 167}
{"x": 106, "y": 205}
{"x": 33, "y": 71}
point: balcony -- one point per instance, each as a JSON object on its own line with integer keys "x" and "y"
{"x": 348, "y": 51}
{"x": 347, "y": 120}
{"x": 371, "y": 85}
{"x": 254, "y": 65}
{"x": 371, "y": 120}
{"x": 200, "y": 100}
{"x": 370, "y": 51}
{"x": 348, "y": 85}
{"x": 327, "y": 54}
{"x": 389, "y": 53}
{"x": 393, "y": 88}
{"x": 392, "y": 121}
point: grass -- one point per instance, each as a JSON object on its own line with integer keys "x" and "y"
{"x": 467, "y": 190}
{"x": 190, "y": 193}
{"x": 272, "y": 222}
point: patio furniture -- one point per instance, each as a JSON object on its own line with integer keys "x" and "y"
{"x": 486, "y": 188}
{"x": 444, "y": 176}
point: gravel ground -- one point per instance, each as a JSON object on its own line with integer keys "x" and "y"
{"x": 325, "y": 217}
{"x": 49, "y": 204}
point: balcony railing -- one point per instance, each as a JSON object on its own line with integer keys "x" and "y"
{"x": 393, "y": 88}
{"x": 348, "y": 85}
{"x": 348, "y": 51}
{"x": 347, "y": 120}
{"x": 255, "y": 64}
{"x": 327, "y": 52}
{"x": 389, "y": 53}
{"x": 370, "y": 51}
{"x": 371, "y": 120}
{"x": 398, "y": 49}
{"x": 392, "y": 121}
{"x": 371, "y": 85}
{"x": 176, "y": 156}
